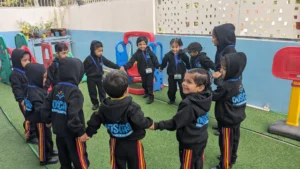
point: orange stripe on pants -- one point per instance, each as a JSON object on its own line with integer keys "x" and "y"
{"x": 112, "y": 153}
{"x": 142, "y": 164}
{"x": 81, "y": 155}
{"x": 41, "y": 145}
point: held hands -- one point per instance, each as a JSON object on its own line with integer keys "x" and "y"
{"x": 49, "y": 125}
{"x": 152, "y": 127}
{"x": 216, "y": 75}
{"x": 84, "y": 137}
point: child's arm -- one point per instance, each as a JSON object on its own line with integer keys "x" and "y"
{"x": 183, "y": 117}
{"x": 154, "y": 59}
{"x": 137, "y": 117}
{"x": 75, "y": 104}
{"x": 130, "y": 63}
{"x": 206, "y": 62}
{"x": 50, "y": 73}
{"x": 218, "y": 93}
{"x": 87, "y": 63}
{"x": 93, "y": 124}
{"x": 46, "y": 110}
{"x": 17, "y": 90}
{"x": 185, "y": 59}
{"x": 109, "y": 64}
{"x": 37, "y": 104}
{"x": 164, "y": 62}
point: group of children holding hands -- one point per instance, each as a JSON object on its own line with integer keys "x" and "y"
{"x": 124, "y": 120}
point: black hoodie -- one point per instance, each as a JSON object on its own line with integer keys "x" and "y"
{"x": 183, "y": 63}
{"x": 93, "y": 65}
{"x": 145, "y": 59}
{"x": 123, "y": 119}
{"x": 17, "y": 77}
{"x": 63, "y": 106}
{"x": 226, "y": 42}
{"x": 201, "y": 60}
{"x": 52, "y": 75}
{"x": 230, "y": 97}
{"x": 190, "y": 121}
{"x": 34, "y": 94}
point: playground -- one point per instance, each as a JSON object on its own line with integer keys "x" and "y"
{"x": 270, "y": 133}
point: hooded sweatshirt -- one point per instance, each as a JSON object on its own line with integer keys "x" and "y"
{"x": 52, "y": 75}
{"x": 17, "y": 77}
{"x": 34, "y": 94}
{"x": 123, "y": 119}
{"x": 230, "y": 97}
{"x": 201, "y": 60}
{"x": 182, "y": 63}
{"x": 93, "y": 65}
{"x": 190, "y": 121}
{"x": 63, "y": 106}
{"x": 145, "y": 59}
{"x": 226, "y": 42}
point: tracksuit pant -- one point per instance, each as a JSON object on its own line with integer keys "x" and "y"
{"x": 173, "y": 87}
{"x": 93, "y": 84}
{"x": 45, "y": 142}
{"x": 147, "y": 83}
{"x": 192, "y": 158}
{"x": 30, "y": 128}
{"x": 228, "y": 143}
{"x": 72, "y": 151}
{"x": 125, "y": 152}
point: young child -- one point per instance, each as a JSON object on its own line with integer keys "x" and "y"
{"x": 125, "y": 123}
{"x": 63, "y": 108}
{"x": 146, "y": 62}
{"x": 224, "y": 39}
{"x": 177, "y": 62}
{"x": 61, "y": 50}
{"x": 34, "y": 98}
{"x": 93, "y": 67}
{"x": 191, "y": 120}
{"x": 20, "y": 58}
{"x": 230, "y": 107}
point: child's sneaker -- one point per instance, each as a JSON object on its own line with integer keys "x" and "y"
{"x": 215, "y": 127}
{"x": 171, "y": 102}
{"x": 54, "y": 153}
{"x": 95, "y": 107}
{"x": 33, "y": 141}
{"x": 149, "y": 101}
{"x": 145, "y": 96}
{"x": 216, "y": 167}
{"x": 49, "y": 161}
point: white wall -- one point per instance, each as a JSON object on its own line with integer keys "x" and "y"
{"x": 118, "y": 16}
{"x": 10, "y": 16}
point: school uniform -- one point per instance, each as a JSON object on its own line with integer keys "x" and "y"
{"x": 34, "y": 98}
{"x": 93, "y": 67}
{"x": 230, "y": 108}
{"x": 146, "y": 64}
{"x": 177, "y": 65}
{"x": 19, "y": 83}
{"x": 126, "y": 124}
{"x": 63, "y": 108}
{"x": 52, "y": 74}
{"x": 190, "y": 123}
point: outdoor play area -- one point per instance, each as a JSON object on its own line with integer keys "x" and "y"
{"x": 267, "y": 32}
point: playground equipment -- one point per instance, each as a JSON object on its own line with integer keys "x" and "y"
{"x": 286, "y": 65}
{"x": 5, "y": 64}
{"x": 134, "y": 76}
{"x": 47, "y": 60}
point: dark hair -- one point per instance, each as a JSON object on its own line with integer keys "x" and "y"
{"x": 59, "y": 47}
{"x": 141, "y": 39}
{"x": 201, "y": 77}
{"x": 98, "y": 45}
{"x": 177, "y": 41}
{"x": 115, "y": 83}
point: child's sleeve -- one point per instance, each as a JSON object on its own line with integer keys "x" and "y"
{"x": 137, "y": 117}
{"x": 93, "y": 124}
{"x": 130, "y": 63}
{"x": 164, "y": 62}
{"x": 218, "y": 93}
{"x": 87, "y": 64}
{"x": 47, "y": 109}
{"x": 75, "y": 104}
{"x": 109, "y": 64}
{"x": 17, "y": 90}
{"x": 185, "y": 59}
{"x": 154, "y": 60}
{"x": 207, "y": 63}
{"x": 183, "y": 117}
{"x": 37, "y": 104}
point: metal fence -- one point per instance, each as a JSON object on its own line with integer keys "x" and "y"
{"x": 39, "y": 3}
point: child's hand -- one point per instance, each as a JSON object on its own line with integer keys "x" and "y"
{"x": 216, "y": 75}
{"x": 84, "y": 137}
{"x": 23, "y": 106}
{"x": 122, "y": 68}
{"x": 160, "y": 70}
{"x": 49, "y": 125}
{"x": 152, "y": 127}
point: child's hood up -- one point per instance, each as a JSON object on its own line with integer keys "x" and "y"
{"x": 71, "y": 70}
{"x": 225, "y": 35}
{"x": 16, "y": 57}
{"x": 235, "y": 65}
{"x": 35, "y": 74}
{"x": 92, "y": 47}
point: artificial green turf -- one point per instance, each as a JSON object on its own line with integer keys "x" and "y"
{"x": 161, "y": 147}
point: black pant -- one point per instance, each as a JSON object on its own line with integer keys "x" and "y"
{"x": 92, "y": 85}
{"x": 45, "y": 141}
{"x": 173, "y": 87}
{"x": 30, "y": 128}
{"x": 147, "y": 83}
{"x": 228, "y": 143}
{"x": 126, "y": 152}
{"x": 72, "y": 150}
{"x": 192, "y": 158}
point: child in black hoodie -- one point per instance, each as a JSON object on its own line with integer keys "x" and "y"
{"x": 125, "y": 123}
{"x": 191, "y": 120}
{"x": 93, "y": 67}
{"x": 20, "y": 58}
{"x": 230, "y": 107}
{"x": 146, "y": 62}
{"x": 63, "y": 108}
{"x": 61, "y": 50}
{"x": 34, "y": 98}
{"x": 177, "y": 62}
